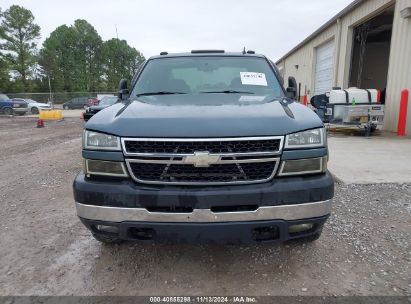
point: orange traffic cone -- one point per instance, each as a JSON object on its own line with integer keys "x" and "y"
{"x": 40, "y": 123}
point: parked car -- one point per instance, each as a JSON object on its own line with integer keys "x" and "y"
{"x": 205, "y": 146}
{"x": 20, "y": 106}
{"x": 35, "y": 107}
{"x": 6, "y": 105}
{"x": 76, "y": 103}
{"x": 104, "y": 103}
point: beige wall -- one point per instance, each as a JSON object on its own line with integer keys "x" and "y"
{"x": 304, "y": 57}
{"x": 399, "y": 71}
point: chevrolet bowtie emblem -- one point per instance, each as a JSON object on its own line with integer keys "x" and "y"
{"x": 201, "y": 159}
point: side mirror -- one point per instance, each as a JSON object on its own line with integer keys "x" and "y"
{"x": 292, "y": 88}
{"x": 122, "y": 89}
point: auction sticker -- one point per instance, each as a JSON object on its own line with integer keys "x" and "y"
{"x": 253, "y": 78}
{"x": 251, "y": 98}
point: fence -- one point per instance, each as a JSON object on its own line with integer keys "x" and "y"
{"x": 57, "y": 97}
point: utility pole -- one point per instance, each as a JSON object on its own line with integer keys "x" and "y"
{"x": 50, "y": 96}
{"x": 116, "y": 30}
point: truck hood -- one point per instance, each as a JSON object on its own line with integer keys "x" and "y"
{"x": 204, "y": 115}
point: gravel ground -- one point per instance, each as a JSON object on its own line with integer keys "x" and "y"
{"x": 45, "y": 250}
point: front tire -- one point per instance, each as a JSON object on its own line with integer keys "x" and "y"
{"x": 110, "y": 240}
{"x": 34, "y": 110}
{"x": 66, "y": 108}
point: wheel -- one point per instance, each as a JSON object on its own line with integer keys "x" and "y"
{"x": 66, "y": 108}
{"x": 34, "y": 110}
{"x": 107, "y": 239}
{"x": 8, "y": 111}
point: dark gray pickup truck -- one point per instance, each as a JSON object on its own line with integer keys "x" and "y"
{"x": 206, "y": 146}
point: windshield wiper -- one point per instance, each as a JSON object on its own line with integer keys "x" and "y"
{"x": 227, "y": 92}
{"x": 159, "y": 93}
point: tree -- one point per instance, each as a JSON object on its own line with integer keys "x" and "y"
{"x": 76, "y": 59}
{"x": 88, "y": 61}
{"x": 58, "y": 59}
{"x": 71, "y": 57}
{"x": 19, "y": 34}
{"x": 4, "y": 75}
{"x": 120, "y": 61}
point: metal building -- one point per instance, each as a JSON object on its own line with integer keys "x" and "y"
{"x": 366, "y": 45}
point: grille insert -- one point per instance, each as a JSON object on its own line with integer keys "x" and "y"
{"x": 217, "y": 173}
{"x": 132, "y": 146}
{"x": 202, "y": 161}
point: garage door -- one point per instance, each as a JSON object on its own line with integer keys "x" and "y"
{"x": 324, "y": 65}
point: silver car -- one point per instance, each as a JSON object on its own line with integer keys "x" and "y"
{"x": 35, "y": 107}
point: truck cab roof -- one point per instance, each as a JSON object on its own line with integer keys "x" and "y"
{"x": 196, "y": 53}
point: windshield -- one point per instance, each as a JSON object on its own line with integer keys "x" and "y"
{"x": 207, "y": 75}
{"x": 4, "y": 97}
{"x": 108, "y": 101}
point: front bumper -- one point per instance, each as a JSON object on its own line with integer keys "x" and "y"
{"x": 222, "y": 232}
{"x": 20, "y": 110}
{"x": 127, "y": 194}
{"x": 282, "y": 212}
{"x": 241, "y": 213}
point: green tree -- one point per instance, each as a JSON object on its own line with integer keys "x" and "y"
{"x": 71, "y": 57}
{"x": 119, "y": 61}
{"x": 4, "y": 75}
{"x": 58, "y": 59}
{"x": 87, "y": 56}
{"x": 76, "y": 59}
{"x": 19, "y": 33}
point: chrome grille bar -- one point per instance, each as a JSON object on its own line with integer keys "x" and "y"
{"x": 202, "y": 167}
{"x": 183, "y": 140}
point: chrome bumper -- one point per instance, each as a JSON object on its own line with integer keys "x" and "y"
{"x": 283, "y": 212}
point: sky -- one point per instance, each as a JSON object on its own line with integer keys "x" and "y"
{"x": 269, "y": 27}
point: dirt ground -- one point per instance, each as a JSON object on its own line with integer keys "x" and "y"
{"x": 45, "y": 250}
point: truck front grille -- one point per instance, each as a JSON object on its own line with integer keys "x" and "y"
{"x": 223, "y": 146}
{"x": 202, "y": 161}
{"x": 220, "y": 173}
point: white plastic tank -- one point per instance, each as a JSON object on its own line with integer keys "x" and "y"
{"x": 360, "y": 96}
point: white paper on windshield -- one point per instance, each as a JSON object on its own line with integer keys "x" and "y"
{"x": 251, "y": 98}
{"x": 253, "y": 78}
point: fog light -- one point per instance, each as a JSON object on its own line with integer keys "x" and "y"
{"x": 303, "y": 166}
{"x": 300, "y": 228}
{"x": 109, "y": 229}
{"x": 100, "y": 167}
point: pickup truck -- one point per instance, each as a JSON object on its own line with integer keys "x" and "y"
{"x": 205, "y": 146}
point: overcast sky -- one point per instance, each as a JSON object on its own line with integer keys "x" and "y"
{"x": 270, "y": 27}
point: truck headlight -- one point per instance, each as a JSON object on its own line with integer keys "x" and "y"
{"x": 303, "y": 166}
{"x": 102, "y": 167}
{"x": 100, "y": 141}
{"x": 307, "y": 139}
